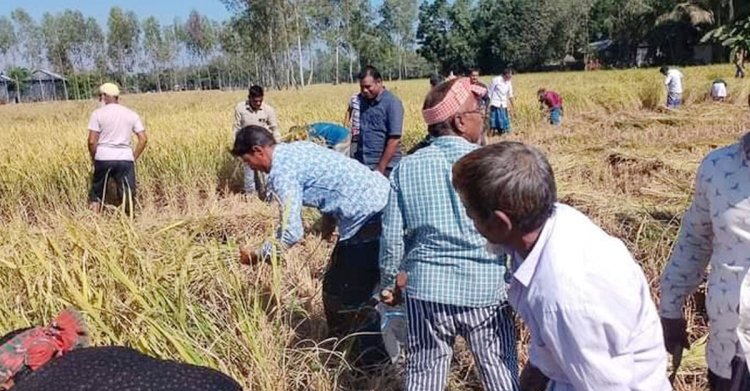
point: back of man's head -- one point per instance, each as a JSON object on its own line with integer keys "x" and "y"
{"x": 511, "y": 177}
{"x": 249, "y": 137}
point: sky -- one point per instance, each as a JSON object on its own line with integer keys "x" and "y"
{"x": 164, "y": 10}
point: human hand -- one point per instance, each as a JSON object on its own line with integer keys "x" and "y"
{"x": 532, "y": 379}
{"x": 396, "y": 295}
{"x": 248, "y": 256}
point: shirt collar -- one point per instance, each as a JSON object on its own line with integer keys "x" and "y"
{"x": 445, "y": 140}
{"x": 525, "y": 271}
{"x": 250, "y": 108}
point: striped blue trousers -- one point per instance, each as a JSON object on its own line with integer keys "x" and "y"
{"x": 489, "y": 331}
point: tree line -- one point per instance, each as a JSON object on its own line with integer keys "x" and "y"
{"x": 294, "y": 43}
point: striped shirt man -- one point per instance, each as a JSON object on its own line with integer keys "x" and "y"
{"x": 455, "y": 287}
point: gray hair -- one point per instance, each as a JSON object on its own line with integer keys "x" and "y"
{"x": 511, "y": 177}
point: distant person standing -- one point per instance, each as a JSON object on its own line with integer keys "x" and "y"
{"x": 435, "y": 79}
{"x": 501, "y": 102}
{"x": 552, "y": 103}
{"x": 719, "y": 90}
{"x": 381, "y": 118}
{"x": 739, "y": 63}
{"x": 673, "y": 81}
{"x": 351, "y": 120}
{"x": 254, "y": 111}
{"x": 111, "y": 129}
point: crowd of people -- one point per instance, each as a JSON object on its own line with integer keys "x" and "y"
{"x": 466, "y": 237}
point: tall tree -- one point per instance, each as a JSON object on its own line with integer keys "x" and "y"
{"x": 199, "y": 38}
{"x": 8, "y": 40}
{"x": 29, "y": 37}
{"x": 155, "y": 48}
{"x": 123, "y": 37}
{"x": 398, "y": 20}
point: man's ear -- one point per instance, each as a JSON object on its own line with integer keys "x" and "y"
{"x": 458, "y": 124}
{"x": 503, "y": 221}
{"x": 255, "y": 149}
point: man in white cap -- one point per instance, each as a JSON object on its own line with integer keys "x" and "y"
{"x": 110, "y": 132}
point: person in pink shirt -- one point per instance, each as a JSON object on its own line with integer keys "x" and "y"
{"x": 551, "y": 102}
{"x": 111, "y": 129}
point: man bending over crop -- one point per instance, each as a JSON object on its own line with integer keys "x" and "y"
{"x": 306, "y": 174}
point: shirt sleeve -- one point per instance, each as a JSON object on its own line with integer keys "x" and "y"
{"x": 395, "y": 118}
{"x": 289, "y": 196}
{"x": 668, "y": 80}
{"x": 138, "y": 126}
{"x": 587, "y": 347}
{"x": 94, "y": 123}
{"x": 510, "y": 90}
{"x": 237, "y": 125}
{"x": 392, "y": 239}
{"x": 273, "y": 124}
{"x": 691, "y": 253}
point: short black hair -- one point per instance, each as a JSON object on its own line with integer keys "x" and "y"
{"x": 435, "y": 79}
{"x": 255, "y": 91}
{"x": 664, "y": 69}
{"x": 507, "y": 71}
{"x": 370, "y": 71}
{"x": 472, "y": 70}
{"x": 249, "y": 137}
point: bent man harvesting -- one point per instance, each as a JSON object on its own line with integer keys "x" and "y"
{"x": 306, "y": 174}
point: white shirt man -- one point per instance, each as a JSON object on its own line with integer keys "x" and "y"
{"x": 673, "y": 81}
{"x": 715, "y": 231}
{"x": 719, "y": 90}
{"x": 587, "y": 304}
{"x": 501, "y": 92}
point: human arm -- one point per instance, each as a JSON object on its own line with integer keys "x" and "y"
{"x": 288, "y": 193}
{"x": 141, "y": 146}
{"x": 93, "y": 141}
{"x": 237, "y": 124}
{"x": 394, "y": 123}
{"x": 348, "y": 115}
{"x": 687, "y": 264}
{"x": 273, "y": 124}
{"x": 327, "y": 227}
{"x": 392, "y": 238}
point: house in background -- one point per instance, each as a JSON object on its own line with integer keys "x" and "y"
{"x": 5, "y": 82}
{"x": 44, "y": 85}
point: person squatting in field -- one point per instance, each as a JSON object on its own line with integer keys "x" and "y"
{"x": 454, "y": 286}
{"x": 332, "y": 136}
{"x": 58, "y": 357}
{"x": 306, "y": 174}
{"x": 255, "y": 111}
{"x": 111, "y": 129}
{"x": 552, "y": 103}
{"x": 584, "y": 299}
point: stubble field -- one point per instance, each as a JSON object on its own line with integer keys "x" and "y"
{"x": 167, "y": 281}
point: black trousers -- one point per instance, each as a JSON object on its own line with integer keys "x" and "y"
{"x": 352, "y": 276}
{"x": 740, "y": 380}
{"x": 122, "y": 172}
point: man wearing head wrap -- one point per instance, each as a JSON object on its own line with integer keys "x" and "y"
{"x": 453, "y": 285}
{"x": 111, "y": 129}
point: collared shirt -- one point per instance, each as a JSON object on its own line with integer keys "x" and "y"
{"x": 500, "y": 92}
{"x": 552, "y": 100}
{"x": 426, "y": 233}
{"x": 304, "y": 173}
{"x": 588, "y": 307}
{"x": 673, "y": 81}
{"x": 265, "y": 116}
{"x": 354, "y": 107}
{"x": 115, "y": 124}
{"x": 379, "y": 119}
{"x": 715, "y": 231}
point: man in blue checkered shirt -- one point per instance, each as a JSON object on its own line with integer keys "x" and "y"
{"x": 454, "y": 286}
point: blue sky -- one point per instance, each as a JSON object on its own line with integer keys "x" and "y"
{"x": 164, "y": 10}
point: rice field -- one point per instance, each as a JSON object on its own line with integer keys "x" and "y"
{"x": 167, "y": 282}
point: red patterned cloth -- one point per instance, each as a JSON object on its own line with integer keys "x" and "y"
{"x": 454, "y": 99}
{"x": 35, "y": 347}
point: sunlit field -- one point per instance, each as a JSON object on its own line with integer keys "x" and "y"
{"x": 167, "y": 281}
